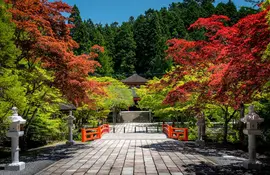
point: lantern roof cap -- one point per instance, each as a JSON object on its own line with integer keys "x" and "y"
{"x": 67, "y": 107}
{"x": 252, "y": 116}
{"x": 15, "y": 118}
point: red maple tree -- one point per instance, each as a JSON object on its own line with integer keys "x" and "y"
{"x": 43, "y": 35}
{"x": 232, "y": 57}
{"x": 229, "y": 65}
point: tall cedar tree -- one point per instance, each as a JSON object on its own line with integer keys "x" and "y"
{"x": 150, "y": 52}
{"x": 125, "y": 50}
{"x": 43, "y": 35}
{"x": 79, "y": 32}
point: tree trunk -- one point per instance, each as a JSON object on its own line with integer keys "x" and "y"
{"x": 26, "y": 129}
{"x": 241, "y": 124}
{"x": 204, "y": 128}
{"x": 225, "y": 133}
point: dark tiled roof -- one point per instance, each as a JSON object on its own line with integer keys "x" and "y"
{"x": 67, "y": 107}
{"x": 135, "y": 78}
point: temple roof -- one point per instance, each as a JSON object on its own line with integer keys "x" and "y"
{"x": 135, "y": 78}
{"x": 67, "y": 107}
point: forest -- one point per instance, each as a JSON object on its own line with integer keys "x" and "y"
{"x": 139, "y": 44}
{"x": 199, "y": 58}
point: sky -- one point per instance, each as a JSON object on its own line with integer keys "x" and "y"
{"x": 109, "y": 11}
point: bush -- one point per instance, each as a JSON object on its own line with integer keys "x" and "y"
{"x": 44, "y": 130}
{"x": 77, "y": 135}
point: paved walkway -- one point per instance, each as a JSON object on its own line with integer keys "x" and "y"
{"x": 134, "y": 136}
{"x": 127, "y": 154}
{"x": 136, "y": 127}
{"x": 136, "y": 153}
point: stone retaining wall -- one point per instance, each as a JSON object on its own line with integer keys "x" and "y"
{"x": 134, "y": 116}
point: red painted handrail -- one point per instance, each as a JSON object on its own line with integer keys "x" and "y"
{"x": 94, "y": 133}
{"x": 175, "y": 133}
{"x": 105, "y": 128}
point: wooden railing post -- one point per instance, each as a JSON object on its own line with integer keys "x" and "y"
{"x": 169, "y": 131}
{"x": 83, "y": 134}
{"x": 94, "y": 133}
{"x": 185, "y": 134}
{"x": 99, "y": 132}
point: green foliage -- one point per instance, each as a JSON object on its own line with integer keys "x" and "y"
{"x": 125, "y": 58}
{"x": 153, "y": 99}
{"x": 46, "y": 129}
{"x": 28, "y": 86}
{"x": 262, "y": 108}
{"x": 12, "y": 93}
{"x": 228, "y": 9}
{"x": 150, "y": 44}
{"x": 80, "y": 32}
{"x": 117, "y": 96}
{"x": 8, "y": 49}
{"x": 106, "y": 62}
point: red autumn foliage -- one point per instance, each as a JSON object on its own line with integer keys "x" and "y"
{"x": 231, "y": 57}
{"x": 43, "y": 35}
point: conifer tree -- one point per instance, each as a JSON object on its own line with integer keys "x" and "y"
{"x": 125, "y": 46}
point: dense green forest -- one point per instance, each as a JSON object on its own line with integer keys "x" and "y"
{"x": 139, "y": 44}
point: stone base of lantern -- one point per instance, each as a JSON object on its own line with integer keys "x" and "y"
{"x": 69, "y": 143}
{"x": 251, "y": 165}
{"x": 200, "y": 142}
{"x": 15, "y": 166}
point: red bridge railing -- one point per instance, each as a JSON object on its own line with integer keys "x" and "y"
{"x": 94, "y": 133}
{"x": 175, "y": 133}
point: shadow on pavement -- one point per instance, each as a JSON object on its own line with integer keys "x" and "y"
{"x": 224, "y": 161}
{"x": 40, "y": 158}
{"x": 232, "y": 169}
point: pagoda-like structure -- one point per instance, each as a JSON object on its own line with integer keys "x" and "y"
{"x": 133, "y": 81}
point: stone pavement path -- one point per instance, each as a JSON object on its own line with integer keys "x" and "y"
{"x": 140, "y": 128}
{"x": 127, "y": 157}
{"x": 134, "y": 136}
{"x": 135, "y": 153}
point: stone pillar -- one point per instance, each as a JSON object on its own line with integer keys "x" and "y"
{"x": 201, "y": 129}
{"x": 252, "y": 119}
{"x": 14, "y": 132}
{"x": 150, "y": 116}
{"x": 70, "y": 119}
{"x": 114, "y": 116}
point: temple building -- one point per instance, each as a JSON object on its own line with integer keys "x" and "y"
{"x": 135, "y": 80}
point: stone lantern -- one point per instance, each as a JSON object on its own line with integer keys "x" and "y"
{"x": 201, "y": 126}
{"x": 252, "y": 120}
{"x": 70, "y": 119}
{"x": 68, "y": 108}
{"x": 14, "y": 132}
